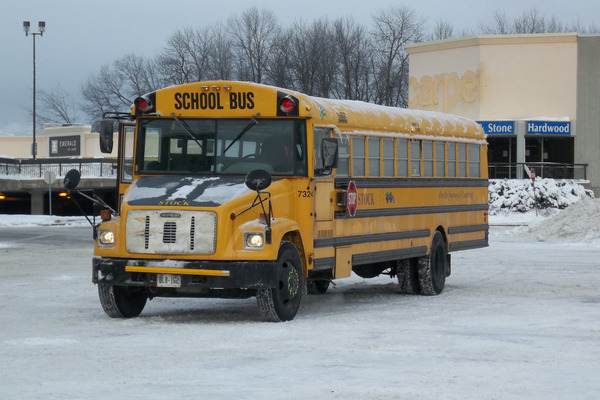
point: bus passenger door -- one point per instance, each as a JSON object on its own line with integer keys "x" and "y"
{"x": 125, "y": 166}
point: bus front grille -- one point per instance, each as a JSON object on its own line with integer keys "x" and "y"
{"x": 167, "y": 232}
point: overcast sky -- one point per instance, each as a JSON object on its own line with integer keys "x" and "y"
{"x": 83, "y": 35}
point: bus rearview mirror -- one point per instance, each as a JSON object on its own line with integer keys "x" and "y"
{"x": 258, "y": 180}
{"x": 71, "y": 180}
{"x": 106, "y": 135}
{"x": 329, "y": 153}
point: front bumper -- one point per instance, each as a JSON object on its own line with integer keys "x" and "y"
{"x": 196, "y": 276}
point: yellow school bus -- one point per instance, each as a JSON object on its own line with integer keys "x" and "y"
{"x": 233, "y": 189}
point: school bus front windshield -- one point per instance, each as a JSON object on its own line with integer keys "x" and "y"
{"x": 221, "y": 146}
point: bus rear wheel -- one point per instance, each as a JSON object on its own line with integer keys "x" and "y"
{"x": 121, "y": 301}
{"x": 408, "y": 276}
{"x": 281, "y": 303}
{"x": 432, "y": 268}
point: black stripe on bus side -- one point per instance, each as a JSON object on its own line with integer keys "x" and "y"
{"x": 382, "y": 183}
{"x": 380, "y": 256}
{"x": 368, "y": 258}
{"x": 469, "y": 244}
{"x": 323, "y": 263}
{"x": 376, "y": 237}
{"x": 467, "y": 229}
{"x": 389, "y": 212}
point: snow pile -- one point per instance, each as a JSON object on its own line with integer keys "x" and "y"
{"x": 579, "y": 222}
{"x": 521, "y": 195}
{"x": 39, "y": 220}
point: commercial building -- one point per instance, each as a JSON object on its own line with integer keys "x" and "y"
{"x": 536, "y": 96}
{"x": 56, "y": 140}
{"x": 34, "y": 186}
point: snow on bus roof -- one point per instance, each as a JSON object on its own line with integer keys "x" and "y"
{"x": 415, "y": 123}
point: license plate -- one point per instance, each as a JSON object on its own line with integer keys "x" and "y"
{"x": 168, "y": 280}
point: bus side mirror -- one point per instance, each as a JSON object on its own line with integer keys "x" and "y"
{"x": 329, "y": 154}
{"x": 258, "y": 180}
{"x": 71, "y": 179}
{"x": 106, "y": 135}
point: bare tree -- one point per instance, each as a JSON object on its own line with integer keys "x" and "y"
{"x": 352, "y": 53}
{"x": 220, "y": 54}
{"x": 254, "y": 33}
{"x": 393, "y": 29}
{"x": 530, "y": 22}
{"x": 186, "y": 56}
{"x": 312, "y": 57}
{"x": 278, "y": 70}
{"x": 115, "y": 86}
{"x": 138, "y": 73}
{"x": 104, "y": 92}
{"x": 56, "y": 107}
{"x": 442, "y": 30}
{"x": 500, "y": 24}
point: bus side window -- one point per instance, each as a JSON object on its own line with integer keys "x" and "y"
{"x": 388, "y": 156}
{"x": 428, "y": 158}
{"x": 462, "y": 160}
{"x": 343, "y": 168}
{"x": 440, "y": 159}
{"x": 415, "y": 158}
{"x": 402, "y": 157}
{"x": 374, "y": 157}
{"x": 451, "y": 151}
{"x": 358, "y": 156}
{"x": 474, "y": 166}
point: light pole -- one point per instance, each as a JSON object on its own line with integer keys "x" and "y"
{"x": 41, "y": 28}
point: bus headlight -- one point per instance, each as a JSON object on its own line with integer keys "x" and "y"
{"x": 106, "y": 237}
{"x": 254, "y": 240}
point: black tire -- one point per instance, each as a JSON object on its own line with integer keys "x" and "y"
{"x": 281, "y": 303}
{"x": 432, "y": 268}
{"x": 408, "y": 276}
{"x": 317, "y": 286}
{"x": 121, "y": 301}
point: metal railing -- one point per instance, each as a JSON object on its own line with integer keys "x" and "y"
{"x": 32, "y": 169}
{"x": 542, "y": 170}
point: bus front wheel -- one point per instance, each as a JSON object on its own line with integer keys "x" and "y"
{"x": 432, "y": 268}
{"x": 281, "y": 303}
{"x": 121, "y": 301}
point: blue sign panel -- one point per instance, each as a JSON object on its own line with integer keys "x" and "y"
{"x": 548, "y": 128}
{"x": 498, "y": 127}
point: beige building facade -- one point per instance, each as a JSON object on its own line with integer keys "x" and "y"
{"x": 56, "y": 141}
{"x": 536, "y": 96}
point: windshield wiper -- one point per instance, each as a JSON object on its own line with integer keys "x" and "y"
{"x": 252, "y": 122}
{"x": 186, "y": 127}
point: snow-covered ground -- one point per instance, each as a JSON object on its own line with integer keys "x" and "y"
{"x": 517, "y": 320}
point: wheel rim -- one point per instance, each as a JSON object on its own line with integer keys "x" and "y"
{"x": 289, "y": 283}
